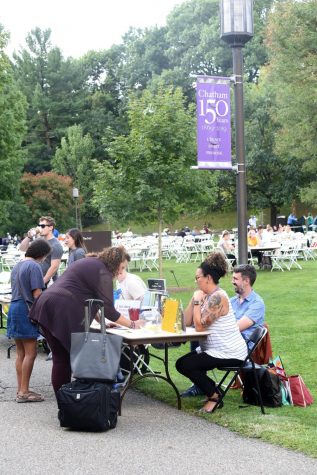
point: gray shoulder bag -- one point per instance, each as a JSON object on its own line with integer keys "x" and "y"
{"x": 95, "y": 356}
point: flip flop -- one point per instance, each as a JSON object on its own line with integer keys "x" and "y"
{"x": 29, "y": 397}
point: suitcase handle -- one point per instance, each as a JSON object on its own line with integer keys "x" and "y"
{"x": 88, "y": 311}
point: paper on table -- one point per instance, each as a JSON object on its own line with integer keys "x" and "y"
{"x": 170, "y": 315}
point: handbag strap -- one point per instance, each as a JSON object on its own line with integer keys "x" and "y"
{"x": 88, "y": 312}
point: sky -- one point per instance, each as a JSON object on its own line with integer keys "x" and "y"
{"x": 79, "y": 26}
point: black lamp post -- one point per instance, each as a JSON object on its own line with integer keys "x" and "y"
{"x": 236, "y": 30}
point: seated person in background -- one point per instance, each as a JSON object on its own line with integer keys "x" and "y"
{"x": 131, "y": 286}
{"x": 195, "y": 231}
{"x": 247, "y": 305}
{"x": 280, "y": 228}
{"x": 227, "y": 246}
{"x": 253, "y": 239}
{"x": 288, "y": 232}
{"x": 263, "y": 236}
{"x": 224, "y": 345}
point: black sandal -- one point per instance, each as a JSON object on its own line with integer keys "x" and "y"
{"x": 217, "y": 406}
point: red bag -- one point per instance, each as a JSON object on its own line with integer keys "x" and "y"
{"x": 299, "y": 393}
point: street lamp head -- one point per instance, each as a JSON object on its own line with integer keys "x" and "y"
{"x": 236, "y": 27}
{"x": 75, "y": 193}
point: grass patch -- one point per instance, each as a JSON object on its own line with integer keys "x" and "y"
{"x": 291, "y": 309}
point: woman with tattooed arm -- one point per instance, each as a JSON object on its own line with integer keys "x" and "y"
{"x": 212, "y": 311}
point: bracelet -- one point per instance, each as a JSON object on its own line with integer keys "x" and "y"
{"x": 132, "y": 324}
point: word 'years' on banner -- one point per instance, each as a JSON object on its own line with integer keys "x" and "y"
{"x": 213, "y": 123}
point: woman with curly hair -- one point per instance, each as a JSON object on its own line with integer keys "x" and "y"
{"x": 60, "y": 309}
{"x": 224, "y": 345}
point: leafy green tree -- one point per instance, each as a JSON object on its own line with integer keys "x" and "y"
{"x": 272, "y": 179}
{"x": 103, "y": 107}
{"x": 12, "y": 129}
{"x": 150, "y": 178}
{"x": 144, "y": 55}
{"x": 49, "y": 194}
{"x": 193, "y": 31}
{"x": 292, "y": 44}
{"x": 73, "y": 159}
{"x": 53, "y": 88}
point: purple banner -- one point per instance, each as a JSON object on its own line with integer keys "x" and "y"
{"x": 213, "y": 123}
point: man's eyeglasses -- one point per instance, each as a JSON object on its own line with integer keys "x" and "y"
{"x": 44, "y": 225}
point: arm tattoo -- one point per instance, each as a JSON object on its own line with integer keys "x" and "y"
{"x": 213, "y": 309}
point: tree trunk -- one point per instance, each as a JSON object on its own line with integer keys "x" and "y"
{"x": 273, "y": 213}
{"x": 160, "y": 246}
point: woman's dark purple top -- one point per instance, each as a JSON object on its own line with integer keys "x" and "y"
{"x": 60, "y": 308}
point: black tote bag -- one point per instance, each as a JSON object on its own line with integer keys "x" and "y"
{"x": 95, "y": 356}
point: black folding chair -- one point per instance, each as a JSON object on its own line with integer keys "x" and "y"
{"x": 247, "y": 365}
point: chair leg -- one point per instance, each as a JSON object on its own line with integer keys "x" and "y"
{"x": 258, "y": 387}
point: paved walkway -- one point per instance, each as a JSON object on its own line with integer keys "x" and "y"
{"x": 150, "y": 438}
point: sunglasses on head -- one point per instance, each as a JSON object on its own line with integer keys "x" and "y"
{"x": 44, "y": 225}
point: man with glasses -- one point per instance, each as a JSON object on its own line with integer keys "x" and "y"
{"x": 52, "y": 262}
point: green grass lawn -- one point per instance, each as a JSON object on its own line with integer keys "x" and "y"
{"x": 291, "y": 313}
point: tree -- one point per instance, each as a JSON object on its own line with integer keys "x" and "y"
{"x": 53, "y": 88}
{"x": 49, "y": 194}
{"x": 74, "y": 159}
{"x": 150, "y": 178}
{"x": 12, "y": 128}
{"x": 272, "y": 180}
{"x": 292, "y": 45}
{"x": 103, "y": 108}
{"x": 193, "y": 32}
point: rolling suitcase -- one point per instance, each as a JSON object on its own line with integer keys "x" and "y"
{"x": 90, "y": 403}
{"x": 88, "y": 406}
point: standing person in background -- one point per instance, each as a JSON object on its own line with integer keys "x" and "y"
{"x": 75, "y": 242}
{"x": 52, "y": 262}
{"x": 32, "y": 234}
{"x": 309, "y": 221}
{"x": 27, "y": 284}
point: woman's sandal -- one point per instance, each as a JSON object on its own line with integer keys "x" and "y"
{"x": 29, "y": 397}
{"x": 217, "y": 406}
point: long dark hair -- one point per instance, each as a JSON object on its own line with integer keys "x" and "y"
{"x": 78, "y": 237}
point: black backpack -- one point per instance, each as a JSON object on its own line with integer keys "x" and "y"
{"x": 270, "y": 388}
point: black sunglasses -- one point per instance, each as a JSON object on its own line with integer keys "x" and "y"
{"x": 44, "y": 225}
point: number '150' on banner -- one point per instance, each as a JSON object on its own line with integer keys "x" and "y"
{"x": 213, "y": 123}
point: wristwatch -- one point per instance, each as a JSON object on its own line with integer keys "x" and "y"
{"x": 196, "y": 302}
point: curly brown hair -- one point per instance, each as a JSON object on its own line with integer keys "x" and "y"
{"x": 215, "y": 265}
{"x": 112, "y": 257}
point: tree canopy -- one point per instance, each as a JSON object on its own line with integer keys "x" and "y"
{"x": 102, "y": 111}
{"x": 12, "y": 129}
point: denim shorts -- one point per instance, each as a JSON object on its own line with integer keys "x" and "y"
{"x": 19, "y": 325}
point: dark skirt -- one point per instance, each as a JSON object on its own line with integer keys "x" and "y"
{"x": 19, "y": 325}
